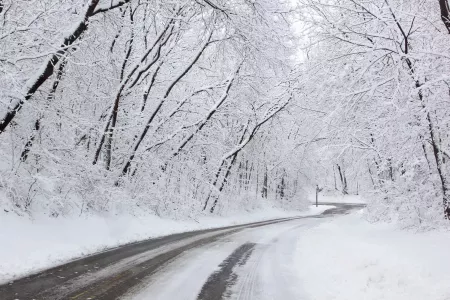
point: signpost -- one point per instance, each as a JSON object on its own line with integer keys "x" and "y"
{"x": 318, "y": 190}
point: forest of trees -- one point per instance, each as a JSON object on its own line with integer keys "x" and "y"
{"x": 384, "y": 90}
{"x": 143, "y": 105}
{"x": 205, "y": 106}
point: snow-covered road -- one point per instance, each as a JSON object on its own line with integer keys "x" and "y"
{"x": 255, "y": 263}
{"x": 240, "y": 262}
{"x": 339, "y": 258}
{"x": 334, "y": 256}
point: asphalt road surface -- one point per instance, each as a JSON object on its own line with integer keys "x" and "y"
{"x": 238, "y": 262}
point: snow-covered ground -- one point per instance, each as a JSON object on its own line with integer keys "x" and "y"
{"x": 336, "y": 258}
{"x": 343, "y": 258}
{"x": 347, "y": 258}
{"x": 29, "y": 246}
{"x": 339, "y": 198}
{"x": 333, "y": 196}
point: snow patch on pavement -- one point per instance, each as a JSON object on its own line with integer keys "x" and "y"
{"x": 264, "y": 276}
{"x": 32, "y": 245}
{"x": 348, "y": 258}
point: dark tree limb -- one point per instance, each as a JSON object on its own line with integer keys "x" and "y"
{"x": 138, "y": 142}
{"x": 37, "y": 123}
{"x": 445, "y": 13}
{"x": 111, "y": 5}
{"x": 47, "y": 68}
{"x": 112, "y": 118}
{"x": 208, "y": 117}
{"x": 219, "y": 171}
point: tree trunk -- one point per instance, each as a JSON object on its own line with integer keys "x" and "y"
{"x": 37, "y": 123}
{"x": 265, "y": 181}
{"x": 334, "y": 175}
{"x": 225, "y": 180}
{"x": 440, "y": 168}
{"x": 371, "y": 175}
{"x": 343, "y": 180}
{"x": 29, "y": 144}
{"x": 282, "y": 186}
{"x": 425, "y": 154}
{"x": 445, "y": 13}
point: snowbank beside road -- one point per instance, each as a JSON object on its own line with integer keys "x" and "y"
{"x": 339, "y": 198}
{"x": 333, "y": 196}
{"x": 29, "y": 246}
{"x": 347, "y": 258}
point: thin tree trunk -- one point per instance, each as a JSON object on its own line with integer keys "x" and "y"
{"x": 150, "y": 86}
{"x": 370, "y": 173}
{"x": 265, "y": 182}
{"x": 225, "y": 180}
{"x": 440, "y": 168}
{"x": 391, "y": 169}
{"x": 334, "y": 175}
{"x": 37, "y": 123}
{"x": 29, "y": 144}
{"x": 345, "y": 190}
{"x": 249, "y": 179}
{"x": 113, "y": 44}
{"x": 437, "y": 153}
{"x": 426, "y": 155}
{"x": 445, "y": 13}
{"x": 257, "y": 182}
{"x": 282, "y": 186}
{"x": 343, "y": 180}
{"x": 217, "y": 176}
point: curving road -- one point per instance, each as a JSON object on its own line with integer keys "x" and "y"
{"x": 252, "y": 261}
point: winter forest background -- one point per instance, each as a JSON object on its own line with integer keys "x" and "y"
{"x": 178, "y": 108}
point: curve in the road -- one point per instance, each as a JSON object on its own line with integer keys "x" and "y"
{"x": 110, "y": 274}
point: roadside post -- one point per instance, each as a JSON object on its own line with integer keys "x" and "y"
{"x": 318, "y": 190}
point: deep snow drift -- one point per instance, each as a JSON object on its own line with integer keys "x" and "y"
{"x": 30, "y": 246}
